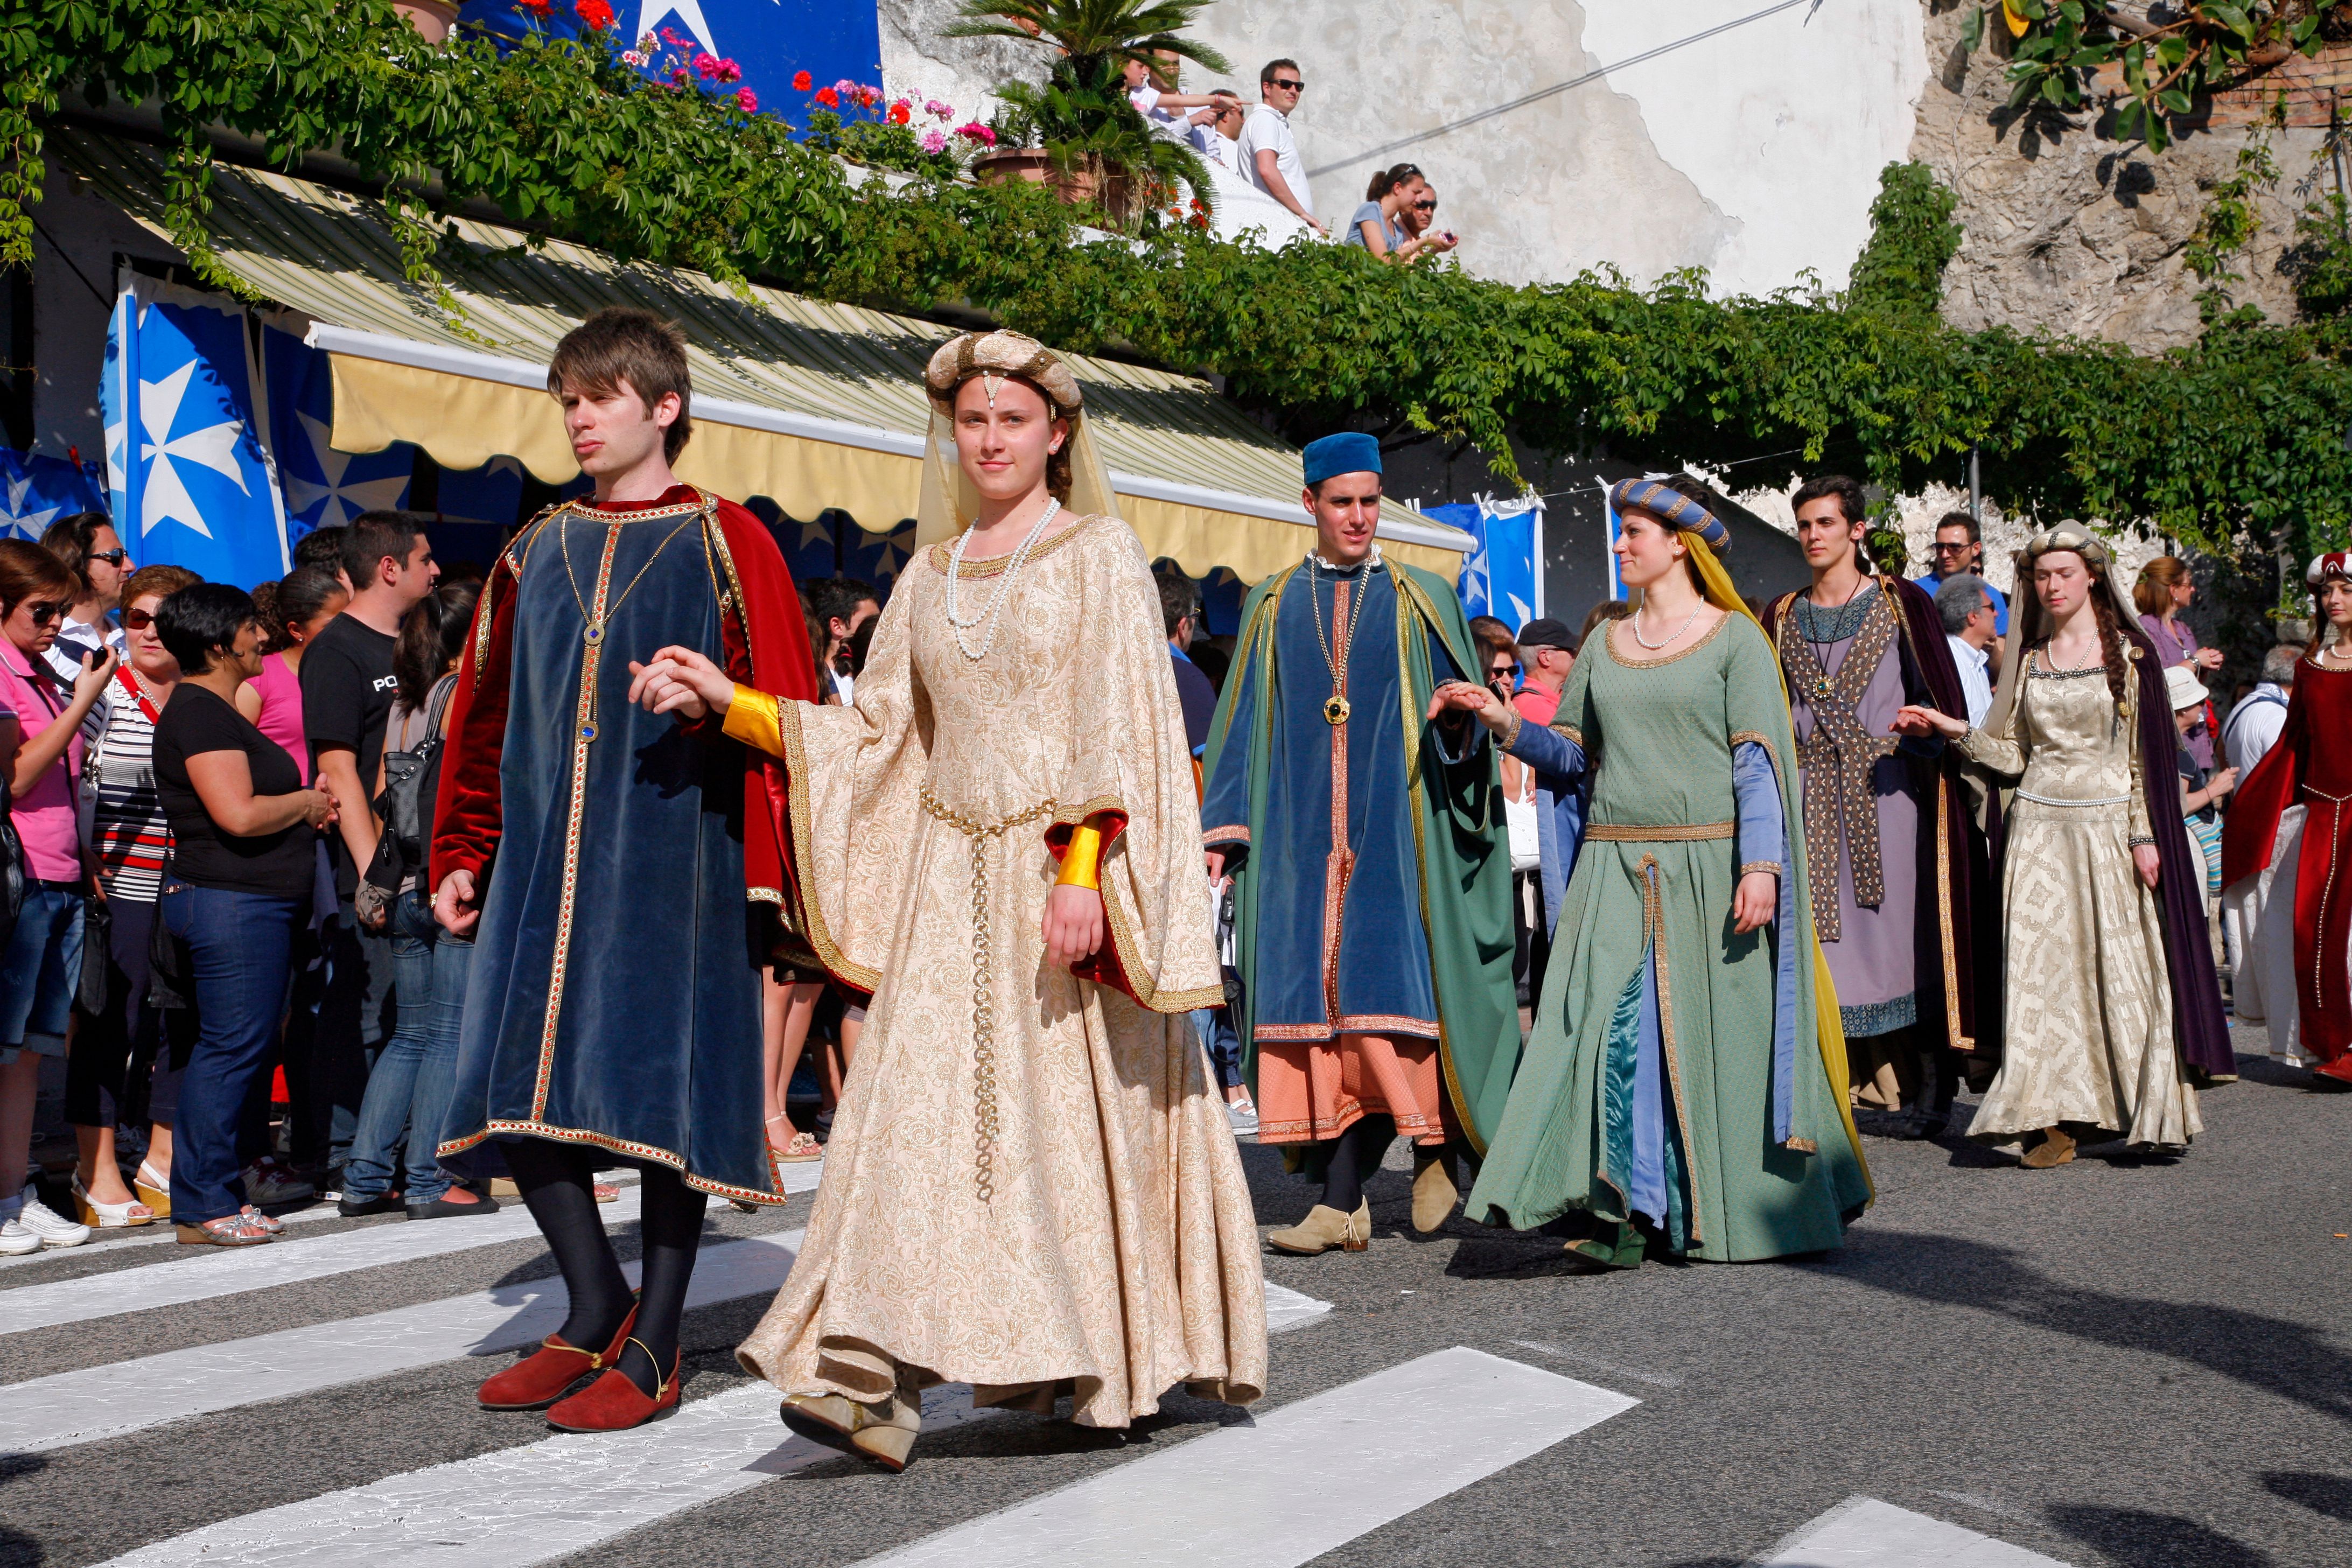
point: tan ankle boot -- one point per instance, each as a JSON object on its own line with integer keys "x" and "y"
{"x": 2055, "y": 1149}
{"x": 1434, "y": 1191}
{"x": 1324, "y": 1228}
{"x": 883, "y": 1431}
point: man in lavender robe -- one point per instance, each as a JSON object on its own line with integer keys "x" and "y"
{"x": 1895, "y": 852}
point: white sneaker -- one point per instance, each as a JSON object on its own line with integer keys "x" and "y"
{"x": 1243, "y": 1115}
{"x": 44, "y": 1225}
{"x": 15, "y": 1240}
{"x": 268, "y": 1184}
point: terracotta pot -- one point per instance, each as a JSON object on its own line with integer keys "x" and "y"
{"x": 1004, "y": 164}
{"x": 431, "y": 18}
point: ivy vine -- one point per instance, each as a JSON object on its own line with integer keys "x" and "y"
{"x": 2240, "y": 437}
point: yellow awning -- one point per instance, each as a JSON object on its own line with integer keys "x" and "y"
{"x": 813, "y": 405}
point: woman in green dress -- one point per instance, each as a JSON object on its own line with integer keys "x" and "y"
{"x": 1685, "y": 1081}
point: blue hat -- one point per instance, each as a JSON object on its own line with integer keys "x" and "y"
{"x": 1673, "y": 508}
{"x": 1349, "y": 452}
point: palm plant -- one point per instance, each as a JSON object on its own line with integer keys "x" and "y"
{"x": 1101, "y": 149}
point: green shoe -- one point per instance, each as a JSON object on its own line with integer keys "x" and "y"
{"x": 1619, "y": 1245}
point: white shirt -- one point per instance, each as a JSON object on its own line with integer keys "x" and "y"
{"x": 1976, "y": 682}
{"x": 1268, "y": 129}
{"x": 1146, "y": 100}
{"x": 1217, "y": 147}
{"x": 2252, "y": 727}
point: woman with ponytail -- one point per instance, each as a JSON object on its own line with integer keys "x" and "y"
{"x": 2112, "y": 1005}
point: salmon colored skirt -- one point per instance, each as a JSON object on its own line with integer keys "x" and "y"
{"x": 1309, "y": 1091}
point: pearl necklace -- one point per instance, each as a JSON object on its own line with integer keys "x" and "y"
{"x": 986, "y": 616}
{"x": 1668, "y": 642}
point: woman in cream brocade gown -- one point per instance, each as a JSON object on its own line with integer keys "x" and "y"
{"x": 1035, "y": 1192}
{"x": 2090, "y": 1017}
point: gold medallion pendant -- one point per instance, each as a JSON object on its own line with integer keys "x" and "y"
{"x": 1335, "y": 710}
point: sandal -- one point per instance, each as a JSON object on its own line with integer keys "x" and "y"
{"x": 229, "y": 1230}
{"x": 269, "y": 1223}
{"x": 153, "y": 1189}
{"x": 800, "y": 1150}
{"x": 109, "y": 1217}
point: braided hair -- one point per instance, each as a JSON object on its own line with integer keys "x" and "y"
{"x": 2111, "y": 647}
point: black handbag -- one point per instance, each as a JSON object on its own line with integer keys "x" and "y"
{"x": 12, "y": 866}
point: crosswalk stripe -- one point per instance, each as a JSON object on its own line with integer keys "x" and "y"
{"x": 1863, "y": 1532}
{"x": 1289, "y": 1309}
{"x": 1411, "y": 1435}
{"x": 71, "y": 1407}
{"x": 284, "y": 1262}
{"x": 545, "y": 1500}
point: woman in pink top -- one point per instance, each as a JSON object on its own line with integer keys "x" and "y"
{"x": 40, "y": 968}
{"x": 308, "y": 599}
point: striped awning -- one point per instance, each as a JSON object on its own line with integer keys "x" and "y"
{"x": 812, "y": 405}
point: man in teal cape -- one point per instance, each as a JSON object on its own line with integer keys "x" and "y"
{"x": 1371, "y": 862}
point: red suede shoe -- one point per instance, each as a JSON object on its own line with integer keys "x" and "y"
{"x": 540, "y": 1379}
{"x": 613, "y": 1404}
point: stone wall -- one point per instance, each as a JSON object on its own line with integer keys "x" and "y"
{"x": 2071, "y": 233}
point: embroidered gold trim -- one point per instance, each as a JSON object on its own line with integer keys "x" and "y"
{"x": 560, "y": 959}
{"x": 1751, "y": 737}
{"x": 1130, "y": 959}
{"x": 714, "y": 537}
{"x": 1666, "y": 832}
{"x": 482, "y": 615}
{"x": 590, "y": 512}
{"x": 1231, "y": 833}
{"x": 787, "y": 726}
{"x": 534, "y": 1128}
{"x": 1388, "y": 1024}
{"x": 940, "y": 554}
{"x": 1609, "y": 646}
{"x": 1517, "y": 722}
{"x": 1771, "y": 866}
{"x": 1573, "y": 734}
{"x": 1654, "y": 915}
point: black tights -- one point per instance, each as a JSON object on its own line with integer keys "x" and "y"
{"x": 557, "y": 1182}
{"x": 1355, "y": 1156}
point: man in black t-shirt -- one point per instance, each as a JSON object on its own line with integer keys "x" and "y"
{"x": 347, "y": 691}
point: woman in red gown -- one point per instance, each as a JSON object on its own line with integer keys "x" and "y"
{"x": 2311, "y": 767}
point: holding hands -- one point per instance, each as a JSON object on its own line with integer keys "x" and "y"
{"x": 1922, "y": 723}
{"x": 1452, "y": 699}
{"x": 681, "y": 681}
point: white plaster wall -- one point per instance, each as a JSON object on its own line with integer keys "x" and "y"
{"x": 1753, "y": 154}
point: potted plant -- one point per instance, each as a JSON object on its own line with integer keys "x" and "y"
{"x": 1077, "y": 130}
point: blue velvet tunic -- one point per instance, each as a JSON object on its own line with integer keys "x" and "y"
{"x": 615, "y": 999}
{"x": 1342, "y": 947}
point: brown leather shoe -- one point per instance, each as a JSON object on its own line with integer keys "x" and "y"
{"x": 540, "y": 1379}
{"x": 2055, "y": 1149}
{"x": 1434, "y": 1191}
{"x": 1324, "y": 1228}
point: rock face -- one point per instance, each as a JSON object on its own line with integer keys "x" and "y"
{"x": 2071, "y": 233}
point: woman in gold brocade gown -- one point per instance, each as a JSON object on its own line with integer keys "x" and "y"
{"x": 1031, "y": 1186}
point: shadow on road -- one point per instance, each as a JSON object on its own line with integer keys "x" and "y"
{"x": 2134, "y": 1535}
{"x": 2286, "y": 1359}
{"x": 2330, "y": 1495}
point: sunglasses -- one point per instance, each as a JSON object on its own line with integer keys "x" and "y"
{"x": 138, "y": 620}
{"x": 1289, "y": 86}
{"x": 1940, "y": 548}
{"x": 114, "y": 557}
{"x": 44, "y": 610}
{"x": 1425, "y": 206}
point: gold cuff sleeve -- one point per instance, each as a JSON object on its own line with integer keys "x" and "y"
{"x": 751, "y": 718}
{"x": 1082, "y": 860}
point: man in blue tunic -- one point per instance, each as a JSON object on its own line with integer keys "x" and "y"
{"x": 1372, "y": 872}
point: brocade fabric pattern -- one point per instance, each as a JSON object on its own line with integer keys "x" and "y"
{"x": 1118, "y": 1253}
{"x": 2090, "y": 1037}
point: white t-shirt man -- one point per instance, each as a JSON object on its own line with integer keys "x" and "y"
{"x": 2253, "y": 726}
{"x": 1268, "y": 129}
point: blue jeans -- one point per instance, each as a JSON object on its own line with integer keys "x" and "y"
{"x": 238, "y": 948}
{"x": 416, "y": 1071}
{"x": 40, "y": 972}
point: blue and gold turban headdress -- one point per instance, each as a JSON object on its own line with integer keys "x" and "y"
{"x": 1672, "y": 507}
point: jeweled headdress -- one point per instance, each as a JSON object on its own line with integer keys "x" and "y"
{"x": 995, "y": 355}
{"x": 947, "y": 502}
{"x": 1675, "y": 509}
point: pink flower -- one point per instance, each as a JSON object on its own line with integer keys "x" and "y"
{"x": 828, "y": 97}
{"x": 633, "y": 59}
{"x": 801, "y": 81}
{"x": 934, "y": 141}
{"x": 938, "y": 110}
{"x": 670, "y": 37}
{"x": 846, "y": 88}
{"x": 679, "y": 78}
{"x": 976, "y": 131}
{"x": 747, "y": 100}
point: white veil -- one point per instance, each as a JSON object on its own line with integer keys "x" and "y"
{"x": 949, "y": 503}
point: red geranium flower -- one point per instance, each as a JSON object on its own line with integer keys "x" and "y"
{"x": 802, "y": 81}
{"x": 900, "y": 114}
{"x": 827, "y": 97}
{"x": 597, "y": 15}
{"x": 539, "y": 8}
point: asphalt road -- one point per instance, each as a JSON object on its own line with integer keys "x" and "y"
{"x": 2120, "y": 1362}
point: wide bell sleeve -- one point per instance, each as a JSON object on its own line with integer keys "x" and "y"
{"x": 852, "y": 781}
{"x": 1129, "y": 773}
{"x": 1999, "y": 751}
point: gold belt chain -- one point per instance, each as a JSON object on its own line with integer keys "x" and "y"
{"x": 983, "y": 1008}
